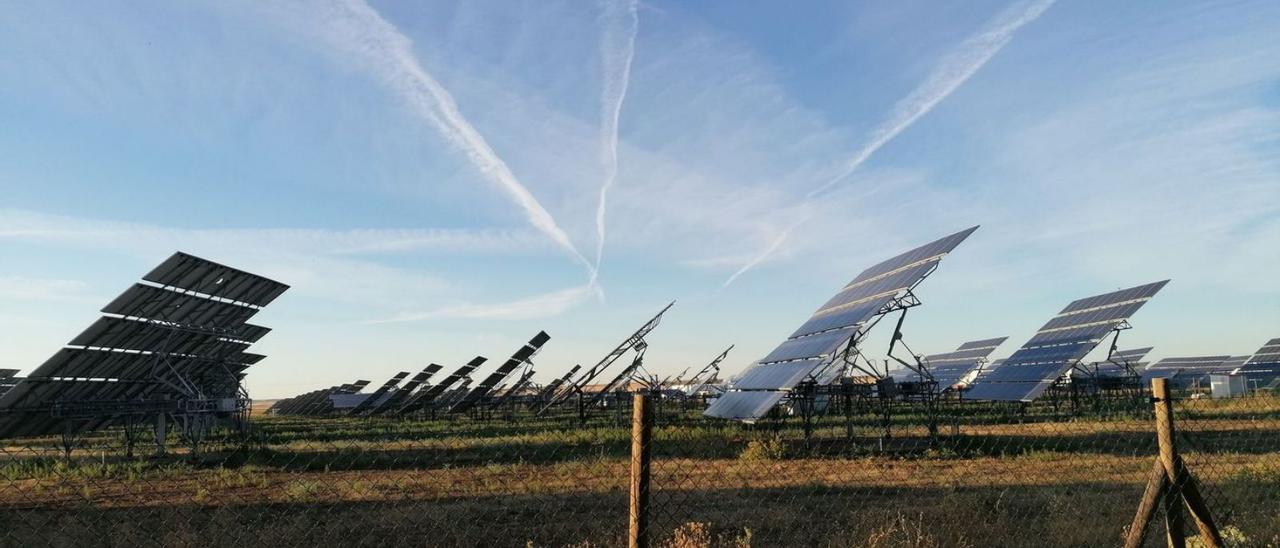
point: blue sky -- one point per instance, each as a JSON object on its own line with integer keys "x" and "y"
{"x": 428, "y": 176}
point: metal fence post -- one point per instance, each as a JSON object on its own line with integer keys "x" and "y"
{"x": 641, "y": 434}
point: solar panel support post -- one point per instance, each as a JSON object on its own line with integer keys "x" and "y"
{"x": 641, "y": 452}
{"x": 161, "y": 433}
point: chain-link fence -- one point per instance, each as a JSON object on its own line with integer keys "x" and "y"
{"x": 842, "y": 467}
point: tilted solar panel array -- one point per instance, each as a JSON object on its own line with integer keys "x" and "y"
{"x": 379, "y": 395}
{"x": 427, "y": 397}
{"x": 633, "y": 342}
{"x": 1264, "y": 366}
{"x": 180, "y": 337}
{"x": 949, "y": 369}
{"x": 1059, "y": 344}
{"x": 1185, "y": 370}
{"x": 1121, "y": 362}
{"x": 520, "y": 357}
{"x": 402, "y": 393}
{"x": 836, "y": 323}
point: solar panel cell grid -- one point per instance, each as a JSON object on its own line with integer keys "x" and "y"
{"x": 1111, "y": 313}
{"x": 153, "y": 303}
{"x": 844, "y": 318}
{"x": 744, "y": 405}
{"x": 894, "y": 282}
{"x": 810, "y": 347}
{"x": 774, "y": 376}
{"x": 940, "y": 246}
{"x": 985, "y": 343}
{"x": 204, "y": 276}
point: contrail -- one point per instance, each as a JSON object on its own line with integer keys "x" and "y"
{"x": 952, "y": 72}
{"x": 956, "y": 68}
{"x": 357, "y": 28}
{"x": 617, "y": 49}
{"x": 777, "y": 242}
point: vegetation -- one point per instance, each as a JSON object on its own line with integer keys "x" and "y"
{"x": 993, "y": 476}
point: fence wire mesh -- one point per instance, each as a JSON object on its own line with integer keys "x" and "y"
{"x": 844, "y": 468}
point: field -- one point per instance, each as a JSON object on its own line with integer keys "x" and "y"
{"x": 994, "y": 477}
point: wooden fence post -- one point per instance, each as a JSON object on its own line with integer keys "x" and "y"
{"x": 1171, "y": 481}
{"x": 641, "y": 434}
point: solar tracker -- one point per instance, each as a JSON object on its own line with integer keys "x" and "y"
{"x": 620, "y": 379}
{"x": 948, "y": 369}
{"x": 1186, "y": 370}
{"x": 519, "y": 358}
{"x": 1122, "y": 363}
{"x": 402, "y": 393}
{"x": 515, "y": 389}
{"x": 630, "y": 343}
{"x": 1061, "y": 343}
{"x": 835, "y": 326}
{"x": 554, "y": 386}
{"x": 379, "y": 395}
{"x": 1264, "y": 366}
{"x": 708, "y": 374}
{"x": 174, "y": 344}
{"x": 427, "y": 397}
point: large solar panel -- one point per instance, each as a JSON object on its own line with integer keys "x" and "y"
{"x": 1185, "y": 370}
{"x": 1263, "y": 367}
{"x": 949, "y": 369}
{"x": 1061, "y": 343}
{"x": 175, "y": 344}
{"x": 836, "y": 324}
{"x": 520, "y": 357}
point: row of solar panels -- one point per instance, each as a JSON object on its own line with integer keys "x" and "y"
{"x": 827, "y": 345}
{"x": 176, "y": 342}
{"x": 453, "y": 394}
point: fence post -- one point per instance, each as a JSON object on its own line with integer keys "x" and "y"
{"x": 1173, "y": 481}
{"x": 641, "y": 434}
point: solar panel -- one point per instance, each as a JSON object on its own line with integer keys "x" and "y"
{"x": 707, "y": 374}
{"x": 1062, "y": 342}
{"x": 180, "y": 348}
{"x": 836, "y": 324}
{"x": 1186, "y": 370}
{"x": 1263, "y": 368}
{"x": 1123, "y": 363}
{"x": 428, "y": 396}
{"x": 6, "y": 373}
{"x": 1269, "y": 353}
{"x": 520, "y": 357}
{"x": 379, "y": 395}
{"x": 515, "y": 389}
{"x": 402, "y": 393}
{"x": 203, "y": 276}
{"x": 949, "y": 369}
{"x": 554, "y": 386}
